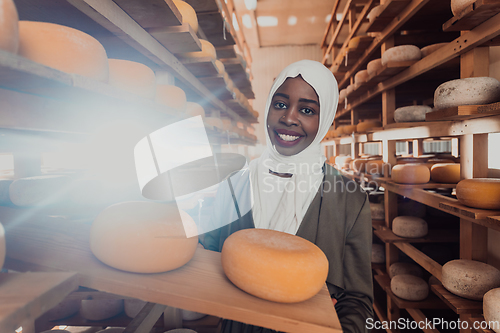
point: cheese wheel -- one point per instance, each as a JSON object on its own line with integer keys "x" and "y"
{"x": 374, "y": 167}
{"x": 188, "y": 14}
{"x": 409, "y": 287}
{"x": 378, "y": 254}
{"x": 411, "y": 113}
{"x": 458, "y": 5}
{"x": 342, "y": 95}
{"x": 133, "y": 77}
{"x": 468, "y": 91}
{"x": 491, "y": 308}
{"x": 409, "y": 226}
{"x": 445, "y": 173}
{"x": 342, "y": 162}
{"x": 64, "y": 309}
{"x": 207, "y": 50}
{"x": 63, "y": 48}
{"x": 354, "y": 42}
{"x": 431, "y": 48}
{"x": 401, "y": 53}
{"x": 367, "y": 125}
{"x": 191, "y": 315}
{"x": 274, "y": 265}
{"x": 377, "y": 210}
{"x": 195, "y": 109}
{"x": 100, "y": 309}
{"x": 361, "y": 76}
{"x": 469, "y": 278}
{"x": 331, "y": 160}
{"x": 181, "y": 330}
{"x": 349, "y": 129}
{"x": 374, "y": 13}
{"x": 171, "y": 96}
{"x": 399, "y": 268}
{"x": 349, "y": 89}
{"x": 3, "y": 248}
{"x": 133, "y": 306}
{"x": 39, "y": 190}
{"x": 373, "y": 66}
{"x": 131, "y": 236}
{"x": 483, "y": 193}
{"x": 9, "y": 27}
{"x": 220, "y": 66}
{"x": 358, "y": 165}
{"x": 411, "y": 173}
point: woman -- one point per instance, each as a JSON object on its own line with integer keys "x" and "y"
{"x": 294, "y": 191}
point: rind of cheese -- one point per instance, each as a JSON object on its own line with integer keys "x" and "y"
{"x": 401, "y": 53}
{"x": 373, "y": 66}
{"x": 366, "y": 125}
{"x": 9, "y": 27}
{"x": 274, "y": 265}
{"x": 68, "y": 307}
{"x": 100, "y": 309}
{"x": 194, "y": 109}
{"x": 409, "y": 227}
{"x": 458, "y": 5}
{"x": 399, "y": 268}
{"x": 469, "y": 278}
{"x": 378, "y": 254}
{"x": 171, "y": 96}
{"x": 133, "y": 77}
{"x": 207, "y": 50}
{"x": 361, "y": 76}
{"x": 374, "y": 13}
{"x": 39, "y": 190}
{"x": 491, "y": 308}
{"x": 191, "y": 315}
{"x": 188, "y": 14}
{"x": 468, "y": 91}
{"x": 130, "y": 236}
{"x": 483, "y": 193}
{"x": 426, "y": 50}
{"x": 411, "y": 113}
{"x": 411, "y": 173}
{"x": 63, "y": 48}
{"x": 409, "y": 287}
{"x": 448, "y": 173}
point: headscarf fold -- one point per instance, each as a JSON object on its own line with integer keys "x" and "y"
{"x": 281, "y": 203}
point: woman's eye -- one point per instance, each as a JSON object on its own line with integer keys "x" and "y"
{"x": 280, "y": 105}
{"x": 307, "y": 111}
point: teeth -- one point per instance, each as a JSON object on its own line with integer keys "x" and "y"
{"x": 286, "y": 137}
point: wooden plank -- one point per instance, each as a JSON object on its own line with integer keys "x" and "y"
{"x": 177, "y": 39}
{"x": 152, "y": 13}
{"x": 215, "y": 29}
{"x": 434, "y": 236}
{"x": 462, "y": 112}
{"x": 422, "y": 259}
{"x": 493, "y": 108}
{"x": 217, "y": 85}
{"x": 473, "y": 15}
{"x": 419, "y": 316}
{"x": 201, "y": 6}
{"x": 465, "y": 211}
{"x": 145, "y": 319}
{"x": 201, "y": 67}
{"x": 391, "y": 9}
{"x": 199, "y": 286}
{"x": 494, "y": 220}
{"x": 26, "y": 296}
{"x": 224, "y": 52}
{"x": 458, "y": 304}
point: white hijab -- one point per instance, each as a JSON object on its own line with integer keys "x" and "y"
{"x": 281, "y": 203}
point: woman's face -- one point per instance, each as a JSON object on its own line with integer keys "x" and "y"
{"x": 293, "y": 118}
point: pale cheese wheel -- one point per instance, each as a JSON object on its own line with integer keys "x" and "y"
{"x": 483, "y": 193}
{"x": 445, "y": 173}
{"x": 409, "y": 287}
{"x": 191, "y": 315}
{"x": 375, "y": 167}
{"x": 367, "y": 125}
{"x": 39, "y": 190}
{"x": 64, "y": 309}
{"x": 468, "y": 91}
{"x": 458, "y": 5}
{"x": 411, "y": 113}
{"x": 133, "y": 306}
{"x": 63, "y": 48}
{"x": 374, "y": 13}
{"x": 377, "y": 210}
{"x": 3, "y": 248}
{"x": 194, "y": 109}
{"x": 100, "y": 309}
{"x": 491, "y": 309}
{"x": 220, "y": 66}
{"x": 373, "y": 66}
{"x": 469, "y": 278}
{"x": 171, "y": 96}
{"x": 378, "y": 254}
{"x": 133, "y": 77}
{"x": 188, "y": 14}
{"x": 349, "y": 89}
{"x": 9, "y": 27}
{"x": 274, "y": 265}
{"x": 401, "y": 53}
{"x": 361, "y": 76}
{"x": 207, "y": 50}
{"x": 399, "y": 268}
{"x": 143, "y": 237}
{"x": 411, "y": 173}
{"x": 342, "y": 95}
{"x": 409, "y": 227}
{"x": 431, "y": 48}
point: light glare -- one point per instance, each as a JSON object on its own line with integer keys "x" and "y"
{"x": 267, "y": 21}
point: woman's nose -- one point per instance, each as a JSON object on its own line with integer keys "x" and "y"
{"x": 290, "y": 117}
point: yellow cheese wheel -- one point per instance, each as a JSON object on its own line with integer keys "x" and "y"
{"x": 188, "y": 14}
{"x": 9, "y": 28}
{"x": 274, "y": 265}
{"x": 133, "y": 77}
{"x": 171, "y": 96}
{"x": 349, "y": 129}
{"x": 220, "y": 66}
{"x": 366, "y": 125}
{"x": 374, "y": 167}
{"x": 207, "y": 50}
{"x": 481, "y": 193}
{"x": 195, "y": 109}
{"x": 2, "y": 246}
{"x": 354, "y": 42}
{"x": 63, "y": 48}
{"x": 331, "y": 160}
{"x": 410, "y": 173}
{"x": 143, "y": 237}
{"x": 445, "y": 173}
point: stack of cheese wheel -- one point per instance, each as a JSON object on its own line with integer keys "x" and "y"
{"x": 133, "y": 77}
{"x": 373, "y": 66}
{"x": 448, "y": 173}
{"x": 491, "y": 308}
{"x": 3, "y": 248}
{"x": 63, "y": 48}
{"x": 171, "y": 96}
{"x": 367, "y": 125}
{"x": 9, "y": 36}
{"x": 431, "y": 48}
{"x": 374, "y": 167}
{"x": 411, "y": 173}
{"x": 100, "y": 309}
{"x": 458, "y": 5}
{"x": 409, "y": 227}
{"x": 188, "y": 14}
{"x": 411, "y": 113}
{"x": 39, "y": 190}
{"x": 152, "y": 227}
{"x": 195, "y": 109}
{"x": 409, "y": 287}
{"x": 401, "y": 53}
{"x": 207, "y": 50}
{"x": 468, "y": 91}
{"x": 483, "y": 193}
{"x": 378, "y": 254}
{"x": 469, "y": 278}
{"x": 399, "y": 268}
{"x": 274, "y": 265}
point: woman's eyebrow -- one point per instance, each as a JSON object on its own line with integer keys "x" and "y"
{"x": 282, "y": 95}
{"x": 308, "y": 101}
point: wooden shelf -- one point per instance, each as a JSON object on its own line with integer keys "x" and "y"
{"x": 201, "y": 67}
{"x": 427, "y": 263}
{"x": 200, "y": 285}
{"x": 473, "y": 15}
{"x": 468, "y": 212}
{"x": 177, "y": 39}
{"x": 152, "y": 13}
{"x": 434, "y": 236}
{"x": 391, "y": 9}
{"x": 236, "y": 68}
{"x": 464, "y": 112}
{"x": 458, "y": 304}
